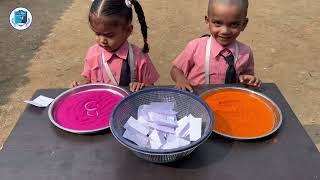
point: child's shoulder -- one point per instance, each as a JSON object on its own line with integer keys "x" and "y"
{"x": 93, "y": 51}
{"x": 198, "y": 41}
{"x": 196, "y": 44}
{"x": 94, "y": 48}
{"x": 136, "y": 49}
{"x": 139, "y": 54}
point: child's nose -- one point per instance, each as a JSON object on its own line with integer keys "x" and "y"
{"x": 225, "y": 30}
{"x": 104, "y": 40}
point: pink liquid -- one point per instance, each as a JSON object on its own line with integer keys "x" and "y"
{"x": 87, "y": 111}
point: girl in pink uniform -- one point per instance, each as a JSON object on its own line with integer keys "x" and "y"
{"x": 113, "y": 60}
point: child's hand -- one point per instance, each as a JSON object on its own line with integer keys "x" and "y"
{"x": 250, "y": 80}
{"x": 181, "y": 81}
{"x": 136, "y": 86}
{"x": 74, "y": 84}
{"x": 80, "y": 82}
{"x": 184, "y": 85}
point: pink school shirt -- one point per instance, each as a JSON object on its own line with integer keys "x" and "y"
{"x": 192, "y": 61}
{"x": 145, "y": 70}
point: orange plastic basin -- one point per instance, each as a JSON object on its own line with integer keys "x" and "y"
{"x": 242, "y": 114}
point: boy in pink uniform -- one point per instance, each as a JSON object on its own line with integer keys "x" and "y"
{"x": 218, "y": 58}
{"x": 113, "y": 60}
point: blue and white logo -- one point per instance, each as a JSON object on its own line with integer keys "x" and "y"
{"x": 20, "y": 18}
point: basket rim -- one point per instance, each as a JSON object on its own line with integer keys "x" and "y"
{"x": 139, "y": 149}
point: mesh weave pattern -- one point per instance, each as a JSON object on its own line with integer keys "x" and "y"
{"x": 185, "y": 104}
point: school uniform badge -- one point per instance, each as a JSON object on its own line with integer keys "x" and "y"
{"x": 20, "y": 18}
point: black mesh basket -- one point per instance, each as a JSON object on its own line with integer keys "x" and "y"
{"x": 185, "y": 104}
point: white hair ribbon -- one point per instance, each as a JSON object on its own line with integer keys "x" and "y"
{"x": 128, "y": 3}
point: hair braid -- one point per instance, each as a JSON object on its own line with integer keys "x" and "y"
{"x": 143, "y": 24}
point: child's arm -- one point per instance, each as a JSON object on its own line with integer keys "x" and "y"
{"x": 181, "y": 81}
{"x": 247, "y": 76}
{"x": 86, "y": 73}
{"x": 146, "y": 74}
{"x": 183, "y": 64}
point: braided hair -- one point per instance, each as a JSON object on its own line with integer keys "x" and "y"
{"x": 119, "y": 8}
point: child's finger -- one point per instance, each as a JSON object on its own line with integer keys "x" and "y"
{"x": 131, "y": 87}
{"x": 258, "y": 84}
{"x": 179, "y": 86}
{"x": 141, "y": 86}
{"x": 245, "y": 79}
{"x": 189, "y": 88}
{"x": 74, "y": 84}
{"x": 252, "y": 80}
{"x": 138, "y": 87}
{"x": 241, "y": 78}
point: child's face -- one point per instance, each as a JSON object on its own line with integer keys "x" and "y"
{"x": 111, "y": 36}
{"x": 226, "y": 22}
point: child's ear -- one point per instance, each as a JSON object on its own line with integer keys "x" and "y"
{"x": 130, "y": 29}
{"x": 206, "y": 19}
{"x": 245, "y": 24}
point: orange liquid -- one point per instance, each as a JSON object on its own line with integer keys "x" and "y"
{"x": 240, "y": 114}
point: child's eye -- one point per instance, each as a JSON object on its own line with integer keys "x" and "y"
{"x": 109, "y": 35}
{"x": 105, "y": 35}
{"x": 216, "y": 23}
{"x": 235, "y": 24}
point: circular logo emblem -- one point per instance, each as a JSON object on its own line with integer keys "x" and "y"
{"x": 20, "y": 18}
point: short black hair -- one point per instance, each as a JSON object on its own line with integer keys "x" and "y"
{"x": 243, "y": 4}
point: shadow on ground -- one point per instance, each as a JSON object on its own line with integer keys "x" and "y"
{"x": 17, "y": 48}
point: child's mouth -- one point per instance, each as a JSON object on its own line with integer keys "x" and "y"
{"x": 225, "y": 38}
{"x": 105, "y": 47}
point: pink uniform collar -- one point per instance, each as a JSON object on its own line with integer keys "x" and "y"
{"x": 216, "y": 48}
{"x": 122, "y": 52}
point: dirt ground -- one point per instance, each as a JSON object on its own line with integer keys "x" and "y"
{"x": 284, "y": 35}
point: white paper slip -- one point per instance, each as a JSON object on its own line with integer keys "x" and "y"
{"x": 162, "y": 108}
{"x": 163, "y": 120}
{"x": 155, "y": 144}
{"x": 143, "y": 112}
{"x": 183, "y": 126}
{"x": 40, "y": 101}
{"x": 183, "y": 142}
{"x": 186, "y": 134}
{"x": 157, "y": 136}
{"x": 172, "y": 138}
{"x": 172, "y": 142}
{"x": 137, "y": 126}
{"x": 195, "y": 128}
{"x": 163, "y": 129}
{"x": 136, "y": 137}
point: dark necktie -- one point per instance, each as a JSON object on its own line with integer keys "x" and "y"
{"x": 125, "y": 76}
{"x": 231, "y": 75}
